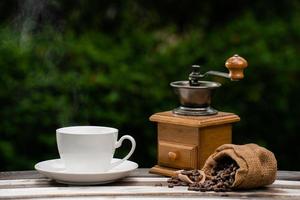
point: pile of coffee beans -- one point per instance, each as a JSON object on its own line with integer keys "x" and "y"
{"x": 175, "y": 181}
{"x": 193, "y": 175}
{"x": 221, "y": 180}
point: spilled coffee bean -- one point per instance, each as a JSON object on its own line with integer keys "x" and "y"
{"x": 221, "y": 180}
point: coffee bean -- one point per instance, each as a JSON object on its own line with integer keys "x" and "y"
{"x": 175, "y": 181}
{"x": 220, "y": 184}
{"x": 170, "y": 185}
{"x": 158, "y": 184}
{"x": 196, "y": 173}
{"x": 184, "y": 183}
{"x": 215, "y": 179}
{"x": 193, "y": 188}
{"x": 193, "y": 184}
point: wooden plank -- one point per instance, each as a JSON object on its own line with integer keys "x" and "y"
{"x": 288, "y": 175}
{"x": 45, "y": 182}
{"x": 115, "y": 198}
{"x": 156, "y": 198}
{"x": 138, "y": 186}
{"x": 10, "y": 175}
{"x": 130, "y": 181}
{"x": 159, "y": 198}
{"x": 166, "y": 198}
{"x": 286, "y": 184}
{"x": 32, "y": 174}
{"x": 111, "y": 191}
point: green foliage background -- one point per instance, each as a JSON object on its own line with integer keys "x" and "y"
{"x": 110, "y": 63}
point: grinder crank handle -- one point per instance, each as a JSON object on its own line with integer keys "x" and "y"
{"x": 236, "y": 66}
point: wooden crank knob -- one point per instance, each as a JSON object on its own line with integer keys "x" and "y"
{"x": 236, "y": 66}
{"x": 172, "y": 156}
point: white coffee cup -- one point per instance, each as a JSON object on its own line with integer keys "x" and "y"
{"x": 90, "y": 148}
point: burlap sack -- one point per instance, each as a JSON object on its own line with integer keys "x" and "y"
{"x": 258, "y": 166}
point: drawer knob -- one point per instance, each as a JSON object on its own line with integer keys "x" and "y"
{"x": 172, "y": 156}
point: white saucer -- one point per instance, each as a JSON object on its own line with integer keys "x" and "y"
{"x": 55, "y": 169}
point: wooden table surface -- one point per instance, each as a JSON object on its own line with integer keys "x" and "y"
{"x": 139, "y": 185}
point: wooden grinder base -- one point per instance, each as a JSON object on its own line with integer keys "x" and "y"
{"x": 185, "y": 142}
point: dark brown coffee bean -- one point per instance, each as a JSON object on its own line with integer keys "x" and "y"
{"x": 170, "y": 185}
{"x": 183, "y": 183}
{"x": 227, "y": 185}
{"x": 215, "y": 180}
{"x": 219, "y": 185}
{"x": 193, "y": 184}
{"x": 195, "y": 173}
{"x": 197, "y": 188}
{"x": 209, "y": 188}
{"x": 175, "y": 181}
{"x": 221, "y": 190}
{"x": 170, "y": 180}
{"x": 178, "y": 183}
{"x": 191, "y": 188}
{"x": 213, "y": 172}
{"x": 224, "y": 176}
{"x": 158, "y": 184}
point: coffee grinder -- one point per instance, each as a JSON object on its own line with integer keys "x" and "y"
{"x": 187, "y": 135}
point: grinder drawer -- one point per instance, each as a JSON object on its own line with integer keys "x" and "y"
{"x": 177, "y": 155}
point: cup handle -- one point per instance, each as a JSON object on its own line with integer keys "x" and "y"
{"x": 119, "y": 143}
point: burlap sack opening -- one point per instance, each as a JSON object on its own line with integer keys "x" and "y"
{"x": 257, "y": 165}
